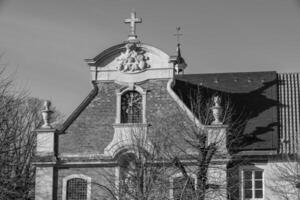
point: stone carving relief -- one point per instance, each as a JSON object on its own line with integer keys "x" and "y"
{"x": 133, "y": 60}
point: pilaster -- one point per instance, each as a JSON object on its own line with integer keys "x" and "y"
{"x": 45, "y": 161}
{"x": 44, "y": 183}
{"x": 217, "y": 173}
{"x": 217, "y": 133}
{"x": 46, "y": 151}
{"x": 46, "y": 142}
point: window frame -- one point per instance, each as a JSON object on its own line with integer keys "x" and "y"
{"x": 252, "y": 169}
{"x": 177, "y": 175}
{"x": 122, "y": 91}
{"x": 81, "y": 176}
{"x": 131, "y": 113}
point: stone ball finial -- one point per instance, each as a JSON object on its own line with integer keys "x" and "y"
{"x": 46, "y": 114}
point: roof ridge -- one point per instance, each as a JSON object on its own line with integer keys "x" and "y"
{"x": 228, "y": 73}
{"x": 289, "y": 73}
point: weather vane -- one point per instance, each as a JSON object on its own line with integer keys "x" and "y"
{"x": 178, "y": 34}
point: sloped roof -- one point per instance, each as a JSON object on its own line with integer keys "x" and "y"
{"x": 270, "y": 101}
{"x": 253, "y": 96}
{"x": 289, "y": 112}
{"x": 237, "y": 82}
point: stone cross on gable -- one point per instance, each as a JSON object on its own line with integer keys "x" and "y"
{"x": 132, "y": 21}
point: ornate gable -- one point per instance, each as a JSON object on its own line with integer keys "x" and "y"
{"x": 130, "y": 62}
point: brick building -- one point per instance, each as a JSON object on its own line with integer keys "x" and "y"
{"x": 138, "y": 92}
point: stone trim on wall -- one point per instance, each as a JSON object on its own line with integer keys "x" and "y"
{"x": 117, "y": 180}
{"x": 104, "y": 67}
{"x": 126, "y": 137}
{"x": 119, "y": 93}
{"x": 126, "y": 134}
{"x": 44, "y": 183}
{"x": 182, "y": 105}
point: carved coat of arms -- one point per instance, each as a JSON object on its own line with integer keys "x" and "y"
{"x": 132, "y": 60}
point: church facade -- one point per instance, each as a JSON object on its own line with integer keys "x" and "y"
{"x": 142, "y": 101}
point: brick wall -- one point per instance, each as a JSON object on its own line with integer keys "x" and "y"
{"x": 92, "y": 131}
{"x": 99, "y": 176}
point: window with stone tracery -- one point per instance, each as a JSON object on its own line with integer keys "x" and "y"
{"x": 76, "y": 189}
{"x": 131, "y": 107}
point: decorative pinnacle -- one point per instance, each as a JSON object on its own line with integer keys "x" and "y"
{"x": 178, "y": 61}
{"x": 46, "y": 114}
{"x": 178, "y": 41}
{"x": 217, "y": 110}
{"x": 132, "y": 21}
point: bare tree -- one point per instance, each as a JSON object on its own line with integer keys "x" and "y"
{"x": 19, "y": 116}
{"x": 178, "y": 144}
{"x": 285, "y": 182}
{"x": 197, "y": 145}
{"x": 142, "y": 171}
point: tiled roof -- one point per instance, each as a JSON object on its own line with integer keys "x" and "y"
{"x": 254, "y": 98}
{"x": 236, "y": 82}
{"x": 289, "y": 112}
{"x": 288, "y": 100}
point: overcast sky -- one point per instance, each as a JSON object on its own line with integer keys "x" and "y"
{"x": 45, "y": 41}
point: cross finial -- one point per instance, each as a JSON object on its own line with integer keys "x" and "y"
{"x": 132, "y": 21}
{"x": 178, "y": 34}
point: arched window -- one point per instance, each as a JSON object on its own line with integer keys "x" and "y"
{"x": 182, "y": 188}
{"x": 76, "y": 187}
{"x": 128, "y": 175}
{"x": 131, "y": 107}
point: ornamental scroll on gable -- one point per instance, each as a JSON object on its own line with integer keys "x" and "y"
{"x": 133, "y": 60}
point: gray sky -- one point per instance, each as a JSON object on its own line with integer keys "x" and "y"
{"x": 47, "y": 40}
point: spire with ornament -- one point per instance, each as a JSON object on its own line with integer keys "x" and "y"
{"x": 178, "y": 61}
